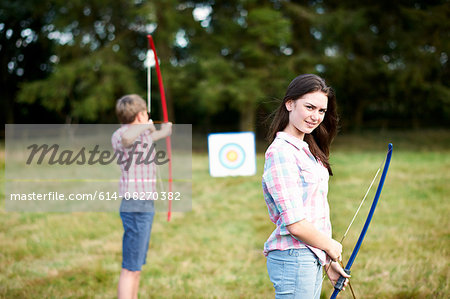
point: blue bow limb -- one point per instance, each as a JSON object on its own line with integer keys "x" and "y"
{"x": 340, "y": 283}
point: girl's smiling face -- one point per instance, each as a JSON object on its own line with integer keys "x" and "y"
{"x": 306, "y": 113}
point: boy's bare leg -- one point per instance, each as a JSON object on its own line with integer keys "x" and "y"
{"x": 128, "y": 284}
{"x": 136, "y": 286}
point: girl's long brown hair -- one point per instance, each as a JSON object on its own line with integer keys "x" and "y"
{"x": 320, "y": 139}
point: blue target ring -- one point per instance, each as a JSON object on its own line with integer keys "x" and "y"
{"x": 232, "y": 156}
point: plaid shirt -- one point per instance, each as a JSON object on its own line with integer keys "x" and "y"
{"x": 295, "y": 187}
{"x": 138, "y": 178}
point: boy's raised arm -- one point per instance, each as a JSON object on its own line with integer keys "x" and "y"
{"x": 133, "y": 132}
{"x": 165, "y": 131}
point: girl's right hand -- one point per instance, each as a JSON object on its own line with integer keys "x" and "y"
{"x": 334, "y": 271}
{"x": 335, "y": 250}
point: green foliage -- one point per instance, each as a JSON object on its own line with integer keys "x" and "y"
{"x": 387, "y": 61}
{"x": 82, "y": 89}
{"x": 90, "y": 66}
{"x": 269, "y": 27}
{"x": 244, "y": 44}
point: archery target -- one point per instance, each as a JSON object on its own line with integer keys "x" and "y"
{"x": 232, "y": 154}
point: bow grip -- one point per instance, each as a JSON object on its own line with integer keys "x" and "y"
{"x": 340, "y": 283}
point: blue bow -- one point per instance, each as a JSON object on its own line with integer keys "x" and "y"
{"x": 340, "y": 283}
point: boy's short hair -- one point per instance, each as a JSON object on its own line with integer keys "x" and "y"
{"x": 128, "y": 106}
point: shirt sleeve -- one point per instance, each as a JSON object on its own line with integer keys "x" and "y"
{"x": 284, "y": 185}
{"x": 116, "y": 141}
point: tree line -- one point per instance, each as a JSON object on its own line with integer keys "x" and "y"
{"x": 225, "y": 64}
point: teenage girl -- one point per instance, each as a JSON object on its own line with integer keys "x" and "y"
{"x": 295, "y": 186}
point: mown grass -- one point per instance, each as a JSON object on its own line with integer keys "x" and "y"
{"x": 215, "y": 251}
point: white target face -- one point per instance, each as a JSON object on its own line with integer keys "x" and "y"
{"x": 232, "y": 154}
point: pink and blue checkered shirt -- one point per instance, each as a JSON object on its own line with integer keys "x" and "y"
{"x": 139, "y": 178}
{"x": 295, "y": 187}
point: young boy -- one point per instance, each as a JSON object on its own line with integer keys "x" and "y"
{"x": 138, "y": 132}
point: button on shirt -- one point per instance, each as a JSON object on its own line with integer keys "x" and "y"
{"x": 295, "y": 187}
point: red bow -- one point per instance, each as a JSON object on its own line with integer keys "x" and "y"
{"x": 165, "y": 118}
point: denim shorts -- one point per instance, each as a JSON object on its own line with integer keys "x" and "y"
{"x": 295, "y": 273}
{"x": 136, "y": 237}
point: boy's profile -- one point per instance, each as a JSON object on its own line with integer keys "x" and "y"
{"x": 137, "y": 131}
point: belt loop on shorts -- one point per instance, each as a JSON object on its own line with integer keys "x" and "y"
{"x": 294, "y": 252}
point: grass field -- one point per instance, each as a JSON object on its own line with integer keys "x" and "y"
{"x": 215, "y": 251}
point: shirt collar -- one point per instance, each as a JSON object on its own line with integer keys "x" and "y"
{"x": 298, "y": 143}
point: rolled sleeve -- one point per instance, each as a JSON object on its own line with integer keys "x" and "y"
{"x": 284, "y": 186}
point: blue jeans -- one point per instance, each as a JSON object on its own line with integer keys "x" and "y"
{"x": 295, "y": 273}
